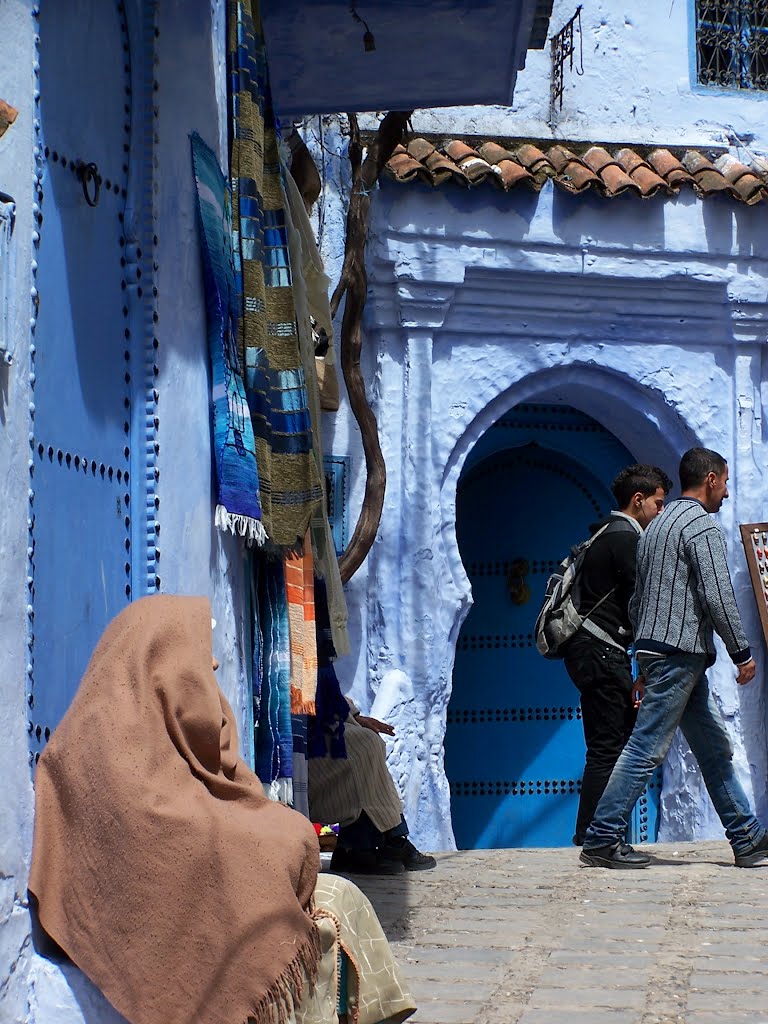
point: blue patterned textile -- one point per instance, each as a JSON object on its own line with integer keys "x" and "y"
{"x": 271, "y": 674}
{"x": 238, "y": 506}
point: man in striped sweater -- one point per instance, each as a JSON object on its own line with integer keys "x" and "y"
{"x": 683, "y": 593}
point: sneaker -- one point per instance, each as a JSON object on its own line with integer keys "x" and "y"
{"x": 618, "y": 855}
{"x": 756, "y": 857}
{"x": 412, "y": 859}
{"x": 364, "y": 862}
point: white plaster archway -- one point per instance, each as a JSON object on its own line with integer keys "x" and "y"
{"x": 638, "y": 415}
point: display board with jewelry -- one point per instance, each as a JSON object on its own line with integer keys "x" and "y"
{"x": 755, "y": 539}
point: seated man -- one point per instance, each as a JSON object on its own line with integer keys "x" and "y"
{"x": 357, "y": 791}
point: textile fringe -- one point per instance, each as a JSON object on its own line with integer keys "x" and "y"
{"x": 285, "y": 993}
{"x": 299, "y": 706}
{"x": 243, "y": 526}
{"x": 279, "y": 790}
{"x": 353, "y": 1011}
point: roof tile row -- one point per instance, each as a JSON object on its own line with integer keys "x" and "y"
{"x": 626, "y": 171}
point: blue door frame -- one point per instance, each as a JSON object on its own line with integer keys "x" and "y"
{"x": 514, "y": 746}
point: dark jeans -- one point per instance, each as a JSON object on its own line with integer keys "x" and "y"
{"x": 362, "y": 834}
{"x": 603, "y": 677}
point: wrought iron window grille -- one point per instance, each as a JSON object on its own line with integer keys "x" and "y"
{"x": 563, "y": 48}
{"x": 732, "y": 43}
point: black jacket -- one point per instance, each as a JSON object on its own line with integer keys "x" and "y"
{"x": 611, "y": 563}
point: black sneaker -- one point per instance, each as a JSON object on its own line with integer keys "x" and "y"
{"x": 364, "y": 862}
{"x": 412, "y": 859}
{"x": 619, "y": 855}
{"x": 755, "y": 858}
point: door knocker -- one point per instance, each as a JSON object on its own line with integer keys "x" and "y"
{"x": 91, "y": 181}
{"x": 519, "y": 591}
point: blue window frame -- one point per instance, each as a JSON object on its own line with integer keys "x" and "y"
{"x": 336, "y": 469}
{"x": 732, "y": 43}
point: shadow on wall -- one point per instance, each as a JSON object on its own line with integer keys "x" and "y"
{"x": 577, "y": 218}
{"x": 61, "y": 991}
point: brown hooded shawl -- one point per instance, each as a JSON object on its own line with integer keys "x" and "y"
{"x": 159, "y": 866}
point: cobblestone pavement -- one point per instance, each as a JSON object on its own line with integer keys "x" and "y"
{"x": 529, "y": 937}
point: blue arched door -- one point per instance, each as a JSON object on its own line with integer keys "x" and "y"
{"x": 514, "y": 747}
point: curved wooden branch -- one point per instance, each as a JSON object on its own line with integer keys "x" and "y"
{"x": 353, "y": 283}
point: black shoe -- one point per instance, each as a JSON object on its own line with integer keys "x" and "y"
{"x": 364, "y": 862}
{"x": 755, "y": 857}
{"x": 578, "y": 840}
{"x": 412, "y": 859}
{"x": 620, "y": 855}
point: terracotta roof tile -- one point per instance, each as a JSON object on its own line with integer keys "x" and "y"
{"x": 750, "y": 186}
{"x": 420, "y": 149}
{"x": 626, "y": 171}
{"x": 439, "y": 167}
{"x": 641, "y": 172}
{"x": 534, "y": 160}
{"x": 707, "y": 177}
{"x": 612, "y": 173}
{"x": 670, "y": 169}
{"x": 403, "y": 167}
{"x": 511, "y": 174}
{"x": 572, "y": 174}
{"x": 494, "y": 153}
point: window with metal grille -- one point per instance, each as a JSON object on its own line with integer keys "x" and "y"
{"x": 732, "y": 43}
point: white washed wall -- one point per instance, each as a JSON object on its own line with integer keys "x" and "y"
{"x": 638, "y": 86}
{"x": 659, "y": 334}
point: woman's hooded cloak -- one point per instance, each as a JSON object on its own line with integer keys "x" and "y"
{"x": 159, "y": 866}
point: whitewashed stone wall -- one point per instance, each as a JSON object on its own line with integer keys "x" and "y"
{"x": 648, "y": 315}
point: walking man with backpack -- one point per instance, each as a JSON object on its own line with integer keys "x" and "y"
{"x": 596, "y": 656}
{"x": 683, "y": 594}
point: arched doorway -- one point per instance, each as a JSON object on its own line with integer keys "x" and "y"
{"x": 514, "y": 747}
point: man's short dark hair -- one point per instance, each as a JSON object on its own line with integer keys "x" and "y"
{"x": 697, "y": 464}
{"x": 642, "y": 479}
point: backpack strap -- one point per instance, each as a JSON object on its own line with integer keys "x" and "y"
{"x": 586, "y": 624}
{"x": 600, "y": 634}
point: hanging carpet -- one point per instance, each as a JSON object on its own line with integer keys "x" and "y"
{"x": 268, "y": 342}
{"x": 238, "y": 506}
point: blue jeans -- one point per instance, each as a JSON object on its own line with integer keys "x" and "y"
{"x": 676, "y": 694}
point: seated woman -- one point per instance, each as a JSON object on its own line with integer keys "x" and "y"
{"x": 161, "y": 869}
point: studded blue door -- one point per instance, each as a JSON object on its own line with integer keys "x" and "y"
{"x": 514, "y": 746}
{"x": 80, "y": 493}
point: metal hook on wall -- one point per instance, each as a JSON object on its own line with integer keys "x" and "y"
{"x": 91, "y": 181}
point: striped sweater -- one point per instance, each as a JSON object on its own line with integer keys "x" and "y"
{"x": 683, "y": 589}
